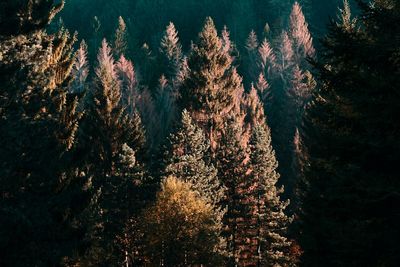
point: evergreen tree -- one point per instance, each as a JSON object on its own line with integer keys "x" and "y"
{"x": 129, "y": 91}
{"x": 80, "y": 69}
{"x": 189, "y": 159}
{"x": 171, "y": 50}
{"x": 120, "y": 39}
{"x": 351, "y": 187}
{"x": 41, "y": 194}
{"x": 107, "y": 131}
{"x": 232, "y": 170}
{"x": 267, "y": 59}
{"x": 271, "y": 223}
{"x": 251, "y": 57}
{"x": 302, "y": 40}
{"x": 211, "y": 89}
{"x": 253, "y": 110}
{"x": 165, "y": 104}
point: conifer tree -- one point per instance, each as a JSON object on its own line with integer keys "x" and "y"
{"x": 171, "y": 50}
{"x": 211, "y": 89}
{"x": 120, "y": 39}
{"x": 253, "y": 110}
{"x": 251, "y": 60}
{"x": 39, "y": 184}
{"x": 272, "y": 223}
{"x": 351, "y": 185}
{"x": 129, "y": 91}
{"x": 302, "y": 40}
{"x": 80, "y": 69}
{"x": 263, "y": 89}
{"x": 189, "y": 161}
{"x": 165, "y": 104}
{"x": 285, "y": 54}
{"x": 107, "y": 131}
{"x": 267, "y": 59}
{"x": 232, "y": 170}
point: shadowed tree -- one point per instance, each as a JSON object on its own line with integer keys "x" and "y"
{"x": 41, "y": 195}
{"x": 350, "y": 207}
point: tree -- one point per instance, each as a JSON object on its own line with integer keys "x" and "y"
{"x": 171, "y": 50}
{"x": 266, "y": 59}
{"x": 189, "y": 161}
{"x": 351, "y": 185}
{"x": 232, "y": 165}
{"x": 80, "y": 69}
{"x": 107, "y": 131}
{"x": 39, "y": 184}
{"x": 120, "y": 39}
{"x": 254, "y": 112}
{"x": 303, "y": 42}
{"x": 251, "y": 57}
{"x": 129, "y": 85}
{"x": 210, "y": 91}
{"x": 274, "y": 247}
{"x": 165, "y": 104}
{"x": 181, "y": 227}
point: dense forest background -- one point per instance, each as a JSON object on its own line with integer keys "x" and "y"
{"x": 199, "y": 133}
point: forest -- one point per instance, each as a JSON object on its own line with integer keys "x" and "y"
{"x": 199, "y": 133}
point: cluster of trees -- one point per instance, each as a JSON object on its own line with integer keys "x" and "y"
{"x": 172, "y": 162}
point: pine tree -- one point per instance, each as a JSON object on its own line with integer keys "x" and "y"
{"x": 171, "y": 50}
{"x": 232, "y": 170}
{"x": 80, "y": 69}
{"x": 211, "y": 89}
{"x": 253, "y": 110}
{"x": 302, "y": 40}
{"x": 129, "y": 91}
{"x": 165, "y": 103}
{"x": 120, "y": 39}
{"x": 351, "y": 187}
{"x": 39, "y": 184}
{"x": 251, "y": 57}
{"x": 181, "y": 227}
{"x": 267, "y": 59}
{"x": 107, "y": 131}
{"x": 286, "y": 55}
{"x": 263, "y": 89}
{"x": 272, "y": 223}
{"x": 189, "y": 159}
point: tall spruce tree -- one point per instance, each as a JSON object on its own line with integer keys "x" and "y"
{"x": 271, "y": 224}
{"x": 171, "y": 51}
{"x": 107, "y": 133}
{"x": 212, "y": 87}
{"x": 40, "y": 191}
{"x": 232, "y": 167}
{"x": 120, "y": 46}
{"x": 350, "y": 208}
{"x": 303, "y": 42}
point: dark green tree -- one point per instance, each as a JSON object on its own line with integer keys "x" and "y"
{"x": 232, "y": 165}
{"x": 109, "y": 136}
{"x": 271, "y": 222}
{"x": 41, "y": 195}
{"x": 350, "y": 206}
